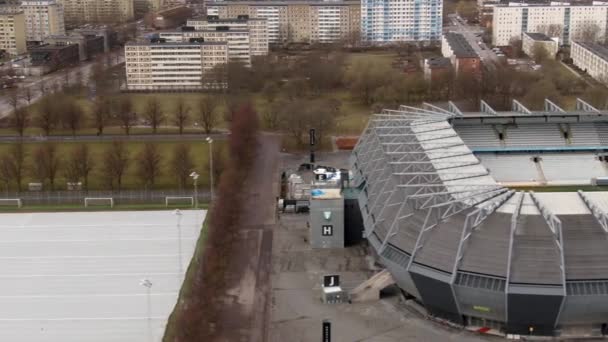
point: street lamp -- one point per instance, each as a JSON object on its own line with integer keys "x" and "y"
{"x": 148, "y": 285}
{"x": 210, "y": 141}
{"x": 194, "y": 176}
{"x": 179, "y": 214}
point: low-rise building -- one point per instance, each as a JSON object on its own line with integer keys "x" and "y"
{"x": 463, "y": 57}
{"x": 436, "y": 68}
{"x": 591, "y": 58}
{"x": 169, "y": 18}
{"x": 88, "y": 45}
{"x": 52, "y": 57}
{"x": 167, "y": 66}
{"x": 12, "y": 32}
{"x": 532, "y": 39}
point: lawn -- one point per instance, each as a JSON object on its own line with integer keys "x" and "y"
{"x": 199, "y": 152}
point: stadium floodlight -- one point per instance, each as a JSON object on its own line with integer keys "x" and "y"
{"x": 179, "y": 214}
{"x": 210, "y": 141}
{"x": 194, "y": 177}
{"x": 148, "y": 285}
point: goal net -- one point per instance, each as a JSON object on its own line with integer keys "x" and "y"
{"x": 10, "y": 202}
{"x": 99, "y": 201}
{"x": 173, "y": 200}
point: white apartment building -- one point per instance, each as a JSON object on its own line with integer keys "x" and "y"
{"x": 12, "y": 32}
{"x": 172, "y": 66}
{"x": 43, "y": 18}
{"x": 239, "y": 47}
{"x": 257, "y": 28}
{"x": 401, "y": 20}
{"x": 532, "y": 39}
{"x": 568, "y": 22}
{"x": 591, "y": 58}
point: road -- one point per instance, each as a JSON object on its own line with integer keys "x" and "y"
{"x": 52, "y": 78}
{"x": 488, "y": 57}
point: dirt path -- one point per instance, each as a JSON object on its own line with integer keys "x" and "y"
{"x": 245, "y": 313}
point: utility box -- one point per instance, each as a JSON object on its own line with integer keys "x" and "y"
{"x": 326, "y": 220}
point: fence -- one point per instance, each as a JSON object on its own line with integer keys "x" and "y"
{"x": 120, "y": 197}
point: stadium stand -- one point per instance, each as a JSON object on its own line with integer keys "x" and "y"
{"x": 473, "y": 251}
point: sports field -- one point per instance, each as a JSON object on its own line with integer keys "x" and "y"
{"x": 74, "y": 277}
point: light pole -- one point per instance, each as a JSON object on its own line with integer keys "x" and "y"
{"x": 210, "y": 141}
{"x": 194, "y": 176}
{"x": 148, "y": 285}
{"x": 178, "y": 213}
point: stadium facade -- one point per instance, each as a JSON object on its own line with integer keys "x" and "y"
{"x": 471, "y": 250}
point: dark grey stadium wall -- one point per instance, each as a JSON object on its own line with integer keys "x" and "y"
{"x": 353, "y": 222}
{"x": 437, "y": 297}
{"x": 532, "y": 310}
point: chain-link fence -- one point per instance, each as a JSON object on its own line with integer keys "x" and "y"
{"x": 119, "y": 197}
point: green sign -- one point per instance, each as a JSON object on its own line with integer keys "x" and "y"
{"x": 481, "y": 308}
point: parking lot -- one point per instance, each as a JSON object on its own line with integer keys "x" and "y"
{"x": 77, "y": 276}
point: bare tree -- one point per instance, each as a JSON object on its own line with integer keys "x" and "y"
{"x": 154, "y": 113}
{"x": 116, "y": 162}
{"x": 46, "y": 164}
{"x": 182, "y": 164}
{"x": 71, "y": 115}
{"x": 539, "y": 53}
{"x": 14, "y": 98}
{"x": 101, "y": 113}
{"x": 28, "y": 94}
{"x": 148, "y": 165}
{"x": 12, "y": 165}
{"x": 207, "y": 111}
{"x": 126, "y": 115}
{"x": 181, "y": 114}
{"x": 588, "y": 32}
{"x": 42, "y": 86}
{"x": 20, "y": 120}
{"x": 80, "y": 165}
{"x": 47, "y": 115}
{"x": 272, "y": 114}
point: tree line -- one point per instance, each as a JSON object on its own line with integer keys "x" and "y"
{"x": 46, "y": 164}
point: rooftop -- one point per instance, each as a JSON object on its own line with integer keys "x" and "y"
{"x": 538, "y": 36}
{"x": 144, "y": 43}
{"x": 460, "y": 46}
{"x": 285, "y": 3}
{"x": 597, "y": 49}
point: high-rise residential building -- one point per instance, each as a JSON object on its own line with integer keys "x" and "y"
{"x": 592, "y": 58}
{"x": 237, "y": 40}
{"x": 257, "y": 28}
{"x": 401, "y": 20}
{"x": 557, "y": 19}
{"x": 141, "y": 7}
{"x": 78, "y": 12}
{"x": 166, "y": 66}
{"x": 307, "y": 21}
{"x": 42, "y": 18}
{"x": 12, "y": 31}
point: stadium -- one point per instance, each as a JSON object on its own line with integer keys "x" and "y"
{"x": 441, "y": 208}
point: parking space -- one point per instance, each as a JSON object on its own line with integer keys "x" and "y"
{"x": 76, "y": 276}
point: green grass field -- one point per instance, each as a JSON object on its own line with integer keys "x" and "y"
{"x": 199, "y": 152}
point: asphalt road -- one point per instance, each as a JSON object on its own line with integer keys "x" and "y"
{"x": 76, "y": 276}
{"x": 52, "y": 78}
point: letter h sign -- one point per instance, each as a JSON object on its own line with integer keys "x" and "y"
{"x": 327, "y": 230}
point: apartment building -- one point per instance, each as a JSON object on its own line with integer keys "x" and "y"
{"x": 167, "y": 66}
{"x": 12, "y": 32}
{"x": 141, "y": 7}
{"x": 237, "y": 40}
{"x": 531, "y": 39}
{"x": 401, "y": 20}
{"x": 79, "y": 12}
{"x": 42, "y": 18}
{"x": 557, "y": 19}
{"x": 311, "y": 21}
{"x": 257, "y": 28}
{"x": 591, "y": 58}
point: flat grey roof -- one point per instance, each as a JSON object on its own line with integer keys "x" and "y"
{"x": 460, "y": 45}
{"x": 538, "y": 36}
{"x": 597, "y": 49}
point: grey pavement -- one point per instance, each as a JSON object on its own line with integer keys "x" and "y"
{"x": 76, "y": 277}
{"x": 487, "y": 56}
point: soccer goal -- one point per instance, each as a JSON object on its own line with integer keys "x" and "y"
{"x": 11, "y": 202}
{"x": 98, "y": 201}
{"x": 179, "y": 200}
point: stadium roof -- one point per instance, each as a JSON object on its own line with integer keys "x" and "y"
{"x": 429, "y": 199}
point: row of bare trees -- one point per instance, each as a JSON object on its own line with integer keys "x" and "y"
{"x": 56, "y": 112}
{"x": 197, "y": 316}
{"x": 46, "y": 163}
